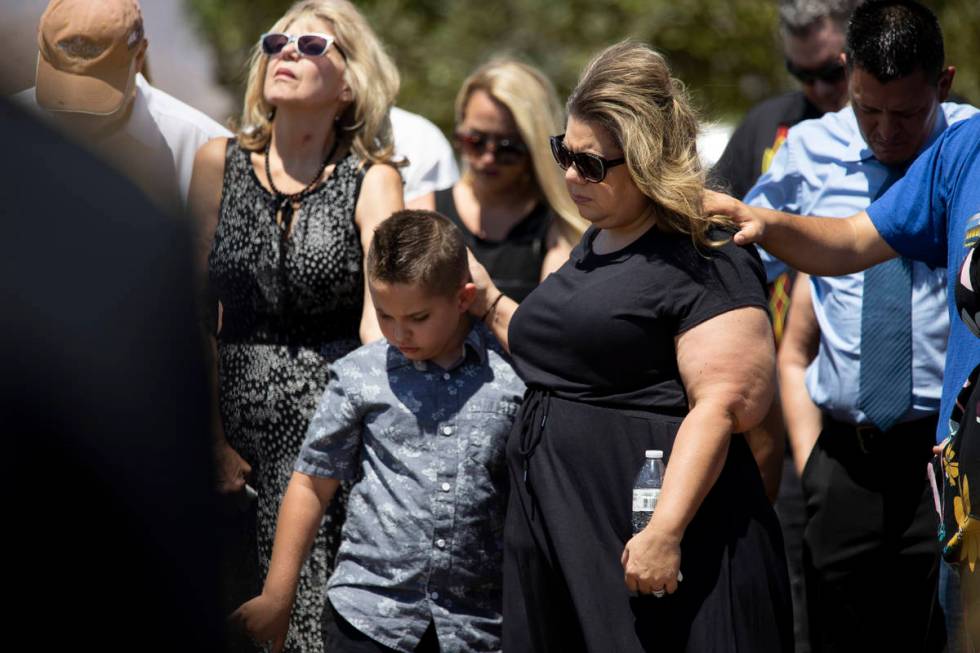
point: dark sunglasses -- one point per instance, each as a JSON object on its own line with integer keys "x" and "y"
{"x": 506, "y": 151}
{"x": 832, "y": 73}
{"x": 310, "y": 45}
{"x": 592, "y": 167}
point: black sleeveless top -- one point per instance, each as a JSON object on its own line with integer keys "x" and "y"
{"x": 306, "y": 289}
{"x": 513, "y": 263}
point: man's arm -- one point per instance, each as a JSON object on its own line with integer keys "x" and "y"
{"x": 821, "y": 246}
{"x": 799, "y": 347}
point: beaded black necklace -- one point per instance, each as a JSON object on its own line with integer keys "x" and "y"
{"x": 284, "y": 205}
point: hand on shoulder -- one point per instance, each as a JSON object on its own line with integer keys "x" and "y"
{"x": 751, "y": 223}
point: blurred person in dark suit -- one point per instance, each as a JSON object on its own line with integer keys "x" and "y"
{"x": 104, "y": 407}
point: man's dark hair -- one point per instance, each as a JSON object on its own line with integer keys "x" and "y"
{"x": 800, "y": 17}
{"x": 419, "y": 247}
{"x": 890, "y": 39}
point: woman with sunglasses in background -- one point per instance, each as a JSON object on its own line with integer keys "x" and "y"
{"x": 653, "y": 336}
{"x": 510, "y": 204}
{"x": 286, "y": 210}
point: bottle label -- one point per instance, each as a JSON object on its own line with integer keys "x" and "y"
{"x": 645, "y": 499}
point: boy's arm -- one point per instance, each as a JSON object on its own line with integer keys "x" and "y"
{"x": 303, "y": 505}
{"x": 329, "y": 455}
{"x": 266, "y": 617}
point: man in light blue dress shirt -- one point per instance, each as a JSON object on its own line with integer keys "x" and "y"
{"x": 870, "y": 552}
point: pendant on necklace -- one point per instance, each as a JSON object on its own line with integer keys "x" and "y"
{"x": 286, "y": 211}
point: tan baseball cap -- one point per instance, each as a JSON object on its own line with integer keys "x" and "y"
{"x": 87, "y": 51}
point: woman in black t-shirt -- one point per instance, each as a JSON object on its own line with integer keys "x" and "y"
{"x": 654, "y": 335}
{"x": 510, "y": 204}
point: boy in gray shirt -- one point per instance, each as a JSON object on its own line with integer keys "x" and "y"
{"x": 418, "y": 422}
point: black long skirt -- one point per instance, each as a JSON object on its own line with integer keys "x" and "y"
{"x": 572, "y": 468}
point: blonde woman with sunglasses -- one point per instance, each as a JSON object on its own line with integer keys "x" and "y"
{"x": 285, "y": 210}
{"x": 510, "y": 203}
{"x": 653, "y": 336}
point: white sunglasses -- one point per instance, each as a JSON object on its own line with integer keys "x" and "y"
{"x": 310, "y": 45}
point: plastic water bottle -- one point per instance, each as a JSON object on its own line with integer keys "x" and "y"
{"x": 646, "y": 489}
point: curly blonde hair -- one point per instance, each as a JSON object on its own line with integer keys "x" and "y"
{"x": 370, "y": 73}
{"x": 531, "y": 99}
{"x": 628, "y": 90}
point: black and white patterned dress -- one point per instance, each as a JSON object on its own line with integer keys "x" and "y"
{"x": 291, "y": 306}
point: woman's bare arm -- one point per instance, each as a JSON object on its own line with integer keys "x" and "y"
{"x": 381, "y": 195}
{"x": 204, "y": 204}
{"x": 727, "y": 365}
{"x": 768, "y": 444}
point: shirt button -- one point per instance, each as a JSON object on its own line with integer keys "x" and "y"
{"x": 441, "y": 543}
{"x": 447, "y": 430}
{"x": 445, "y": 376}
{"x": 434, "y": 596}
{"x": 446, "y": 487}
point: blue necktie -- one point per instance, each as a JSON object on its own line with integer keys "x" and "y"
{"x": 886, "y": 337}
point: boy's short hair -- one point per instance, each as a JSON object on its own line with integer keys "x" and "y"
{"x": 419, "y": 247}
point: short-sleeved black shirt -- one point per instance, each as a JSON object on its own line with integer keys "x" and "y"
{"x": 601, "y": 329}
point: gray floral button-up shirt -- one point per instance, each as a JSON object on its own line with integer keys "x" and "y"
{"x": 424, "y": 530}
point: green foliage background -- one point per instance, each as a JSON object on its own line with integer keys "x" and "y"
{"x": 727, "y": 51}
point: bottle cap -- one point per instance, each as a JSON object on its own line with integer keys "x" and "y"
{"x": 654, "y": 453}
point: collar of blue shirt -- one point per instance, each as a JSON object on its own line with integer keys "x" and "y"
{"x": 475, "y": 342}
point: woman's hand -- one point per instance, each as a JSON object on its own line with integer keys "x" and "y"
{"x": 490, "y": 305}
{"x": 652, "y": 562}
{"x": 264, "y": 619}
{"x": 486, "y": 292}
{"x": 232, "y": 468}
